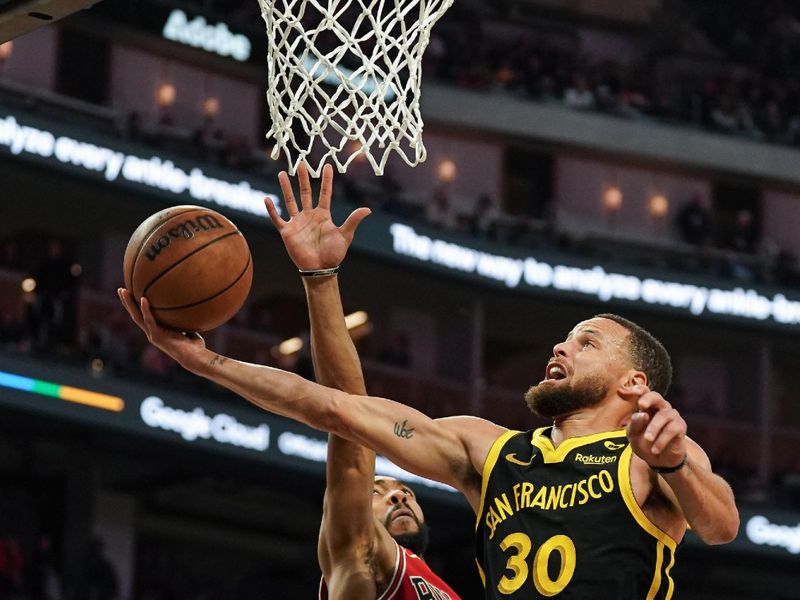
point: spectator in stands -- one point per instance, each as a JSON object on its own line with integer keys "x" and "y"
{"x": 132, "y": 128}
{"x": 786, "y": 269}
{"x": 12, "y": 567}
{"x": 439, "y": 212}
{"x": 772, "y": 123}
{"x": 102, "y": 581}
{"x": 579, "y": 96}
{"x": 10, "y": 255}
{"x": 12, "y": 330}
{"x": 46, "y": 580}
{"x": 483, "y": 219}
{"x": 694, "y": 222}
{"x": 724, "y": 116}
{"x": 54, "y": 313}
{"x": 744, "y": 236}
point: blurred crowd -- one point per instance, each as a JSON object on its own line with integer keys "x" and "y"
{"x": 698, "y": 63}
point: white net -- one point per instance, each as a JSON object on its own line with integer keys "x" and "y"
{"x": 344, "y": 79}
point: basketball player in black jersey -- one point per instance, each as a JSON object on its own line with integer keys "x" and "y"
{"x": 593, "y": 506}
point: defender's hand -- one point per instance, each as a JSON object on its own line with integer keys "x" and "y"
{"x": 657, "y": 433}
{"x": 310, "y": 236}
{"x": 185, "y": 348}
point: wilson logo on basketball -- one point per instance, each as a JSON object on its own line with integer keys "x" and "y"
{"x": 185, "y": 230}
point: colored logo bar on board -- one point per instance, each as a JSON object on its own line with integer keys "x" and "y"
{"x": 62, "y": 392}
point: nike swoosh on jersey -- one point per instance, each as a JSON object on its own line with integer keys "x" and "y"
{"x": 512, "y": 458}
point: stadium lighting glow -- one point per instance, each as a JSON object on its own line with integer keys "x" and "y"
{"x": 612, "y": 199}
{"x": 290, "y": 346}
{"x": 356, "y": 319}
{"x": 6, "y": 49}
{"x": 659, "y": 206}
{"x": 28, "y": 285}
{"x": 165, "y": 95}
{"x": 211, "y": 106}
{"x": 295, "y": 344}
{"x": 446, "y": 170}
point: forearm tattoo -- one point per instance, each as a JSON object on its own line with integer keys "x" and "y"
{"x": 217, "y": 360}
{"x": 403, "y": 431}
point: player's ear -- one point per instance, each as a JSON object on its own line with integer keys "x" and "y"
{"x": 632, "y": 386}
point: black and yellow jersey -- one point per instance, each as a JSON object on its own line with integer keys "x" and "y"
{"x": 563, "y": 522}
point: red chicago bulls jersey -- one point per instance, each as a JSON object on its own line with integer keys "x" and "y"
{"x": 412, "y": 580}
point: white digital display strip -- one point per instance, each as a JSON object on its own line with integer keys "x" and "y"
{"x": 596, "y": 282}
{"x": 153, "y": 172}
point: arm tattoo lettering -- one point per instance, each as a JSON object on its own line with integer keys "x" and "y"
{"x": 403, "y": 431}
{"x": 217, "y": 360}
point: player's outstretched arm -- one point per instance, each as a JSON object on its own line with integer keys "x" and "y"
{"x": 658, "y": 436}
{"x": 350, "y": 551}
{"x": 451, "y": 450}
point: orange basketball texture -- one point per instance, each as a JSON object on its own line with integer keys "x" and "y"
{"x": 193, "y": 266}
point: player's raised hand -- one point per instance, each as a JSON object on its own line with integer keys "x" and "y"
{"x": 311, "y": 238}
{"x": 657, "y": 433}
{"x": 183, "y": 347}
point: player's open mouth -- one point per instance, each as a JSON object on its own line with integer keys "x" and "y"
{"x": 554, "y": 372}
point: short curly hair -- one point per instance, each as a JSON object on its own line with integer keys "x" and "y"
{"x": 646, "y": 353}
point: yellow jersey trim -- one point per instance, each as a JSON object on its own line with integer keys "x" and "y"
{"x": 656, "y": 585}
{"x": 664, "y": 540}
{"x": 551, "y": 454}
{"x": 671, "y": 584}
{"x": 626, "y": 488}
{"x": 481, "y": 573}
{"x": 488, "y": 465}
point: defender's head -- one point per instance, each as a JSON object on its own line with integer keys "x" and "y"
{"x": 395, "y": 505}
{"x": 602, "y": 357}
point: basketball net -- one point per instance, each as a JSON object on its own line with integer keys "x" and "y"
{"x": 343, "y": 79}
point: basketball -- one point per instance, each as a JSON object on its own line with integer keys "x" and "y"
{"x": 192, "y": 264}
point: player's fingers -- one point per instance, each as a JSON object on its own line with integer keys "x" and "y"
{"x": 273, "y": 214}
{"x": 666, "y": 441}
{"x": 288, "y": 193}
{"x": 653, "y": 401}
{"x": 147, "y": 316}
{"x": 193, "y": 335}
{"x": 130, "y": 306}
{"x": 306, "y": 198}
{"x": 657, "y": 423}
{"x": 348, "y": 228}
{"x": 326, "y": 187}
{"x": 638, "y": 423}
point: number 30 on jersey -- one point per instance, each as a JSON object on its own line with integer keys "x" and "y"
{"x": 520, "y": 544}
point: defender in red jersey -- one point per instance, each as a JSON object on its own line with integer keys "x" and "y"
{"x": 364, "y": 517}
{"x": 397, "y": 511}
{"x": 412, "y": 580}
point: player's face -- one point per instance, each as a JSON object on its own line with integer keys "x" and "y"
{"x": 583, "y": 371}
{"x": 395, "y": 505}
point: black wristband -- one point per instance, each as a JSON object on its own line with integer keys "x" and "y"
{"x": 320, "y": 272}
{"x": 665, "y": 470}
